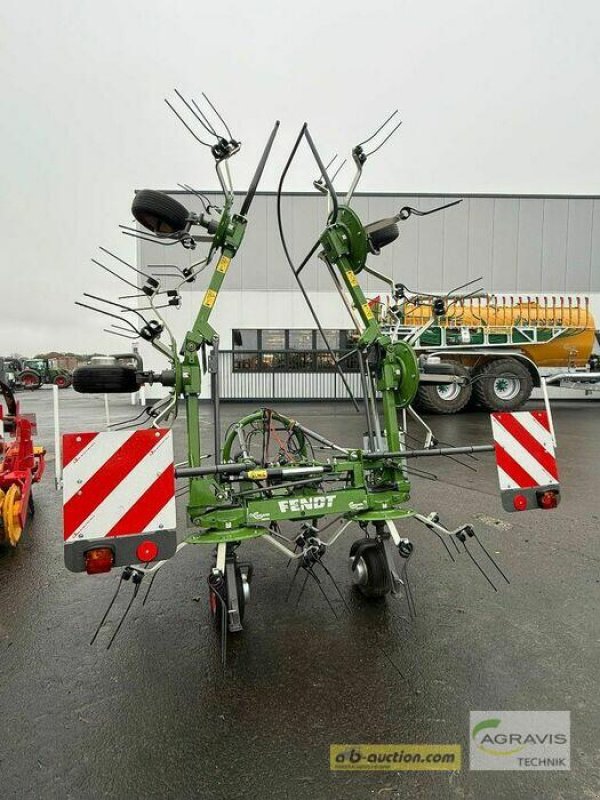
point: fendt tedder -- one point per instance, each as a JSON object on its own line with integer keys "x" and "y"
{"x": 119, "y": 487}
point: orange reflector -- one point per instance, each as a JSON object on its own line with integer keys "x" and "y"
{"x": 146, "y": 551}
{"x": 520, "y": 502}
{"x": 548, "y": 499}
{"x": 100, "y": 559}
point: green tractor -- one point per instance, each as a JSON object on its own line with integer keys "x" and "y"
{"x": 37, "y": 371}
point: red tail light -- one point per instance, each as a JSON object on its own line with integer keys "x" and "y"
{"x": 146, "y": 551}
{"x": 520, "y": 502}
{"x": 100, "y": 559}
{"x": 548, "y": 499}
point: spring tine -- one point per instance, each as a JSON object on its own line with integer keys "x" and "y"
{"x": 410, "y": 600}
{"x": 443, "y": 541}
{"x": 293, "y": 580}
{"x": 337, "y": 588}
{"x": 122, "y": 620}
{"x": 106, "y": 613}
{"x": 455, "y": 545}
{"x": 478, "y": 566}
{"x": 150, "y": 585}
{"x": 489, "y": 555}
{"x": 322, "y": 590}
{"x": 302, "y": 589}
{"x": 393, "y": 663}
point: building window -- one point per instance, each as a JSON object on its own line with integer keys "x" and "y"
{"x": 292, "y": 350}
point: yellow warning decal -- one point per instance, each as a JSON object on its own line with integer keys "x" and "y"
{"x": 223, "y": 264}
{"x": 367, "y": 311}
{"x": 257, "y": 474}
{"x": 351, "y": 278}
{"x": 209, "y": 298}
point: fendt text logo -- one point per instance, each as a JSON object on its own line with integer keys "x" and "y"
{"x": 522, "y": 740}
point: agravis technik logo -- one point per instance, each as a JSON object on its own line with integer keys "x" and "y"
{"x": 522, "y": 740}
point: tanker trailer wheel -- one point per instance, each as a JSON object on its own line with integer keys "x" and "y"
{"x": 502, "y": 385}
{"x": 369, "y": 568}
{"x": 30, "y": 380}
{"x": 445, "y": 398}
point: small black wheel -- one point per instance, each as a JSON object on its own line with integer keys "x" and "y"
{"x": 502, "y": 385}
{"x": 105, "y": 378}
{"x": 381, "y": 233}
{"x": 159, "y": 212}
{"x": 370, "y": 573}
{"x": 445, "y": 398}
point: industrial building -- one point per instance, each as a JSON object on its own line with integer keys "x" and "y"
{"x": 538, "y": 246}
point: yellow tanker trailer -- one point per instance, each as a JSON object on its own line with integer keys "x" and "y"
{"x": 498, "y": 344}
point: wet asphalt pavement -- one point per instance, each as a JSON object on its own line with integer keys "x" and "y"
{"x": 156, "y": 717}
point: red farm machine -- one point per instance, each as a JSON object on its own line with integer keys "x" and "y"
{"x": 21, "y": 465}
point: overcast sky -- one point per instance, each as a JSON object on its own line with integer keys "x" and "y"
{"x": 494, "y": 97}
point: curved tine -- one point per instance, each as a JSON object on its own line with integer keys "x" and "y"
{"x": 464, "y": 285}
{"x": 122, "y": 261}
{"x": 329, "y": 163}
{"x": 130, "y": 420}
{"x": 380, "y": 128}
{"x": 115, "y": 274}
{"x": 203, "y": 200}
{"x": 165, "y": 266}
{"x": 338, "y": 170}
{"x": 380, "y": 145}
{"x": 333, "y": 580}
{"x": 125, "y": 309}
{"x": 119, "y": 327}
{"x": 218, "y": 115}
{"x": 107, "y": 612}
{"x": 322, "y": 590}
{"x": 107, "y": 314}
{"x": 126, "y": 612}
{"x": 122, "y": 335}
{"x": 207, "y": 123}
{"x": 137, "y": 235}
{"x": 191, "y": 110}
{"x": 184, "y": 123}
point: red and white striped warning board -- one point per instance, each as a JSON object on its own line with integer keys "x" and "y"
{"x": 525, "y": 457}
{"x": 117, "y": 484}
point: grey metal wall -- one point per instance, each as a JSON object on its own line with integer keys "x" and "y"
{"x": 526, "y": 244}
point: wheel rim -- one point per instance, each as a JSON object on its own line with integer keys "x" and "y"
{"x": 29, "y": 381}
{"x": 11, "y": 514}
{"x": 448, "y": 391}
{"x": 507, "y": 387}
{"x": 360, "y": 573}
{"x": 60, "y": 382}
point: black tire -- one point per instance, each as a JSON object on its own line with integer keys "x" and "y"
{"x": 30, "y": 379}
{"x": 447, "y": 398}
{"x": 378, "y": 582}
{"x": 105, "y": 378}
{"x": 381, "y": 233}
{"x": 159, "y": 212}
{"x": 502, "y": 385}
